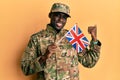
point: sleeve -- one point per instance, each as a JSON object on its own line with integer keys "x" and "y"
{"x": 89, "y": 57}
{"x": 30, "y": 58}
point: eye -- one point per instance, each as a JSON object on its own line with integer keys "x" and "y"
{"x": 60, "y": 15}
{"x": 65, "y": 17}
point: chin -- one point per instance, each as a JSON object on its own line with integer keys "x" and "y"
{"x": 59, "y": 28}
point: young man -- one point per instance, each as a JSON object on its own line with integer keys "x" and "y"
{"x": 53, "y": 61}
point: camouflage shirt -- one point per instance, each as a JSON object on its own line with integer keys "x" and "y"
{"x": 63, "y": 65}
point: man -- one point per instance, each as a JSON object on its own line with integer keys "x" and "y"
{"x": 53, "y": 61}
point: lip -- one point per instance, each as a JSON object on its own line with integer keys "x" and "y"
{"x": 59, "y": 25}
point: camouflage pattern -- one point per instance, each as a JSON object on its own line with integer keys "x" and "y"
{"x": 60, "y": 7}
{"x": 62, "y": 65}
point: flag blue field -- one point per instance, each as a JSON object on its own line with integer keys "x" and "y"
{"x": 77, "y": 38}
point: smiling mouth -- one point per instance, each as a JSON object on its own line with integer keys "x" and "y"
{"x": 59, "y": 24}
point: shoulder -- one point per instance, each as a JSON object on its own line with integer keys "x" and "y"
{"x": 35, "y": 38}
{"x": 38, "y": 34}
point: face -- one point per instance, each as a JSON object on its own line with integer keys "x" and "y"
{"x": 58, "y": 20}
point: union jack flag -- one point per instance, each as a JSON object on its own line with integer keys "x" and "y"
{"x": 77, "y": 38}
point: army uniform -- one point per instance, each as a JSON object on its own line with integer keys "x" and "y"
{"x": 63, "y": 64}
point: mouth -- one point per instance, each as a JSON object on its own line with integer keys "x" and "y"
{"x": 59, "y": 25}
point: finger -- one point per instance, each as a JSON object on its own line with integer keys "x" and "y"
{"x": 54, "y": 47}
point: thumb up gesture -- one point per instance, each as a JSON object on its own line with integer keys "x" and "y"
{"x": 93, "y": 31}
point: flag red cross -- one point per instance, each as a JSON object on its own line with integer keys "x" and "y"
{"x": 77, "y": 38}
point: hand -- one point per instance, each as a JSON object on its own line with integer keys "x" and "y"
{"x": 93, "y": 31}
{"x": 51, "y": 49}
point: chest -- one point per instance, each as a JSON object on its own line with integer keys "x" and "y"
{"x": 64, "y": 46}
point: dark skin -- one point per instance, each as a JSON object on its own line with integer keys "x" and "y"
{"x": 58, "y": 21}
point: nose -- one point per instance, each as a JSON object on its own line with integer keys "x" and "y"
{"x": 61, "y": 18}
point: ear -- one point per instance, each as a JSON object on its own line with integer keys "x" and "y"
{"x": 50, "y": 14}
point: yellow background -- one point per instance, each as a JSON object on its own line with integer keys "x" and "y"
{"x": 21, "y": 18}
